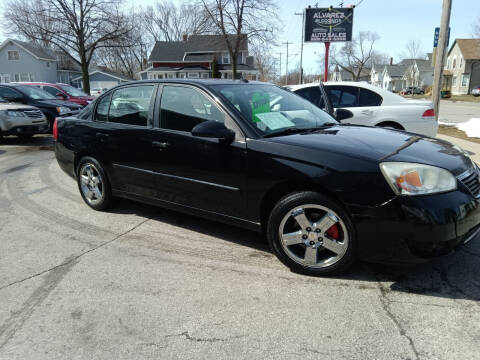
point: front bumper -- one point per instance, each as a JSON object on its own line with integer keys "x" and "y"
{"x": 28, "y": 129}
{"x": 410, "y": 229}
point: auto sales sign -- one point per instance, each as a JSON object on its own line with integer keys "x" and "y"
{"x": 326, "y": 25}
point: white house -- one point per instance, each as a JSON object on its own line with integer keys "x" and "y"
{"x": 393, "y": 77}
{"x": 463, "y": 66}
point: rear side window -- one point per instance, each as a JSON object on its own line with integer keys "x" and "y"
{"x": 131, "y": 105}
{"x": 8, "y": 93}
{"x": 102, "y": 109}
{"x": 86, "y": 113}
{"x": 343, "y": 96}
{"x": 183, "y": 108}
{"x": 369, "y": 98}
{"x": 51, "y": 90}
{"x": 312, "y": 94}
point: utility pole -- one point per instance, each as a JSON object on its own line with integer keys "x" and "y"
{"x": 280, "y": 70}
{"x": 442, "y": 44}
{"x": 300, "y": 78}
{"x": 286, "y": 63}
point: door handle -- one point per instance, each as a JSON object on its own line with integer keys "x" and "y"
{"x": 101, "y": 136}
{"x": 160, "y": 145}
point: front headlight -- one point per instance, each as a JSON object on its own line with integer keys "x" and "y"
{"x": 63, "y": 110}
{"x": 417, "y": 179}
{"x": 15, "y": 114}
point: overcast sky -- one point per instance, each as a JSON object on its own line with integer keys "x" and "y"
{"x": 395, "y": 21}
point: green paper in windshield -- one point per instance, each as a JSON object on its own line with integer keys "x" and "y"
{"x": 260, "y": 105}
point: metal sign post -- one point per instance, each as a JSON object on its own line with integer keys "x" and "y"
{"x": 327, "y": 51}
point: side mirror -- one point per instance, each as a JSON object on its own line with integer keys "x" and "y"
{"x": 342, "y": 114}
{"x": 214, "y": 129}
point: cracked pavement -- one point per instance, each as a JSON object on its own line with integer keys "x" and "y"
{"x": 141, "y": 282}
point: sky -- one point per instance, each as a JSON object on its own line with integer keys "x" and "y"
{"x": 395, "y": 21}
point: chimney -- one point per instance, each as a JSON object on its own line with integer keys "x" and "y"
{"x": 391, "y": 61}
{"x": 185, "y": 37}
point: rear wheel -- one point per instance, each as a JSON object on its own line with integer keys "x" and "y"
{"x": 93, "y": 184}
{"x": 390, "y": 125}
{"x": 311, "y": 234}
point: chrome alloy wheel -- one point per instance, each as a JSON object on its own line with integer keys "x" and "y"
{"x": 314, "y": 236}
{"x": 91, "y": 183}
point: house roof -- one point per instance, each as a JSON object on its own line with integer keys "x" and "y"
{"x": 175, "y": 50}
{"x": 470, "y": 48}
{"x": 103, "y": 70}
{"x": 424, "y": 65}
{"x": 198, "y": 57}
{"x": 396, "y": 70}
{"x": 37, "y": 51}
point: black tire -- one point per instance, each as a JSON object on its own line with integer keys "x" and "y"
{"x": 285, "y": 208}
{"x": 102, "y": 202}
{"x": 390, "y": 125}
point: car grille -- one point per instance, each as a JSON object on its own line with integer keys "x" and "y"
{"x": 471, "y": 180}
{"x": 34, "y": 114}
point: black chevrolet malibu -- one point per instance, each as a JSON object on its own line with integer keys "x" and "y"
{"x": 257, "y": 156}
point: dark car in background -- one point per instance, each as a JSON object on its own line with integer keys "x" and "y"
{"x": 412, "y": 90}
{"x": 47, "y": 103}
{"x": 254, "y": 155}
{"x": 65, "y": 92}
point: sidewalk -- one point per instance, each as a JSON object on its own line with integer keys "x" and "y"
{"x": 471, "y": 147}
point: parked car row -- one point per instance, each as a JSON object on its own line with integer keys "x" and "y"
{"x": 257, "y": 156}
{"x": 476, "y": 91}
{"x": 34, "y": 99}
{"x": 412, "y": 90}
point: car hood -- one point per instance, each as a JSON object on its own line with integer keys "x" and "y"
{"x": 12, "y": 106}
{"x": 52, "y": 102}
{"x": 379, "y": 144}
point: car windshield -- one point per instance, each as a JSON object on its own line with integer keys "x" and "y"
{"x": 70, "y": 90}
{"x": 35, "y": 93}
{"x": 272, "y": 109}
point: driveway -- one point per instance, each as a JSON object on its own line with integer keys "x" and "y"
{"x": 140, "y": 282}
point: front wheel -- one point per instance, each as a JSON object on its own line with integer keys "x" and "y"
{"x": 93, "y": 184}
{"x": 312, "y": 234}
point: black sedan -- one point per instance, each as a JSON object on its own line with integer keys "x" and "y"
{"x": 257, "y": 156}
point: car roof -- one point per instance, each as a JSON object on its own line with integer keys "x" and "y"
{"x": 198, "y": 81}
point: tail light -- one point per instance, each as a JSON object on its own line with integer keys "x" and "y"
{"x": 429, "y": 113}
{"x": 55, "y": 129}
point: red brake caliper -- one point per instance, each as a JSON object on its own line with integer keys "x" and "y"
{"x": 333, "y": 232}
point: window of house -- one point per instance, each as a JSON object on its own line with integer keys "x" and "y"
{"x": 454, "y": 81}
{"x": 448, "y": 63}
{"x": 102, "y": 109}
{"x": 131, "y": 105}
{"x": 4, "y": 78}
{"x": 454, "y": 63}
{"x": 16, "y": 77}
{"x": 205, "y": 75}
{"x": 182, "y": 108}
{"x": 461, "y": 62}
{"x": 181, "y": 75}
{"x": 226, "y": 58}
{"x": 170, "y": 75}
{"x": 193, "y": 75}
{"x": 465, "y": 79}
{"x": 24, "y": 77}
{"x": 13, "y": 55}
{"x": 31, "y": 77}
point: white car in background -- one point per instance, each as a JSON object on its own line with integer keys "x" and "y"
{"x": 373, "y": 106}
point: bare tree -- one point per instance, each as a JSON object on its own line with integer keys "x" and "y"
{"x": 77, "y": 27}
{"x": 476, "y": 28}
{"x": 131, "y": 56}
{"x": 237, "y": 19}
{"x": 413, "y": 51}
{"x": 165, "y": 21}
{"x": 357, "y": 55}
{"x": 265, "y": 62}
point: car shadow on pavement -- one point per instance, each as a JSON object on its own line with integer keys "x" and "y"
{"x": 454, "y": 276}
{"x": 45, "y": 141}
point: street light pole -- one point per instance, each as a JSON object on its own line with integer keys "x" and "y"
{"x": 439, "y": 64}
{"x": 300, "y": 78}
{"x": 286, "y": 64}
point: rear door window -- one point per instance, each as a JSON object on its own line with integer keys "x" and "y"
{"x": 343, "y": 96}
{"x": 131, "y": 105}
{"x": 369, "y": 98}
{"x": 312, "y": 94}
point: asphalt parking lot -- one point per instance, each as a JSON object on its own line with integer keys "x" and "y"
{"x": 140, "y": 282}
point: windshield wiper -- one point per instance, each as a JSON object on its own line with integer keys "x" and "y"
{"x": 289, "y": 131}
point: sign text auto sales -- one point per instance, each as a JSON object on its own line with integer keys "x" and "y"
{"x": 333, "y": 24}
